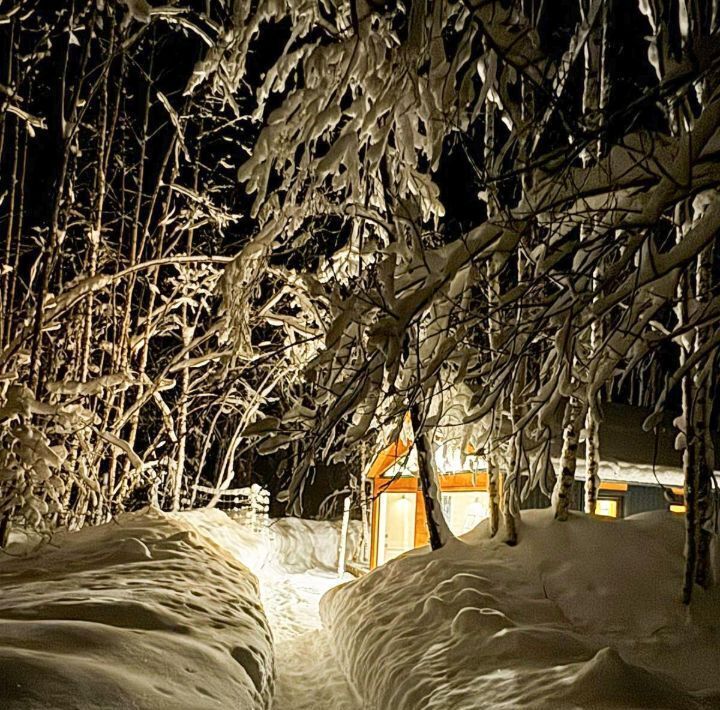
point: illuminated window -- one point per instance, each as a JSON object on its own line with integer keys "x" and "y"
{"x": 678, "y": 495}
{"x": 607, "y": 507}
{"x": 463, "y": 510}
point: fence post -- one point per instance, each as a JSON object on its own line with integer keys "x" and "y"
{"x": 343, "y": 536}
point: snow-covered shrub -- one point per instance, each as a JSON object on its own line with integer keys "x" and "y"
{"x": 37, "y": 469}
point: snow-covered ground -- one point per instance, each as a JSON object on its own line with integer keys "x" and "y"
{"x": 582, "y": 614}
{"x": 161, "y": 611}
{"x": 296, "y": 563}
{"x": 141, "y": 613}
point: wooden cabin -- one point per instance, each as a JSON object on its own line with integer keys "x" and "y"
{"x": 638, "y": 473}
{"x": 398, "y": 511}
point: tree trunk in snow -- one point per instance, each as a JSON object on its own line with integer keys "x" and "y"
{"x": 342, "y": 549}
{"x": 509, "y": 495}
{"x": 689, "y": 490}
{"x": 364, "y": 508}
{"x": 703, "y": 486}
{"x": 702, "y": 409}
{"x": 493, "y": 295}
{"x": 4, "y": 528}
{"x": 437, "y": 527}
{"x": 595, "y": 96}
{"x": 698, "y": 456}
{"x": 686, "y": 425}
{"x": 592, "y": 461}
{"x": 493, "y": 493}
{"x": 568, "y": 461}
{"x": 179, "y": 473}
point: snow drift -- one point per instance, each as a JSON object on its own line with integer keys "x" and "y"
{"x": 144, "y": 612}
{"x": 302, "y": 545}
{"x": 288, "y": 545}
{"x": 580, "y": 614}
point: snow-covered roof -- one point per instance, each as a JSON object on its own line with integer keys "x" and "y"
{"x": 631, "y": 454}
{"x": 628, "y": 453}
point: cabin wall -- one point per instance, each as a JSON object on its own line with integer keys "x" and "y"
{"x": 640, "y": 499}
{"x": 634, "y": 499}
{"x": 535, "y": 499}
{"x": 637, "y": 499}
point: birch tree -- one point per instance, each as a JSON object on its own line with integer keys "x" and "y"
{"x": 590, "y": 224}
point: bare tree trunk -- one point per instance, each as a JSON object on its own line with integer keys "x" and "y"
{"x": 129, "y": 480}
{"x": 4, "y": 529}
{"x": 493, "y": 493}
{"x": 7, "y": 278}
{"x": 689, "y": 491}
{"x": 510, "y": 493}
{"x": 568, "y": 461}
{"x": 11, "y": 296}
{"x": 702, "y": 409}
{"x": 703, "y": 491}
{"x": 437, "y": 527}
{"x": 179, "y": 473}
{"x": 364, "y": 508}
{"x": 493, "y": 293}
{"x": 690, "y": 471}
{"x": 50, "y": 256}
{"x": 188, "y": 333}
{"x": 592, "y": 460}
{"x": 595, "y": 94}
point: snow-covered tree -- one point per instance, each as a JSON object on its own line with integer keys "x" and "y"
{"x": 361, "y": 112}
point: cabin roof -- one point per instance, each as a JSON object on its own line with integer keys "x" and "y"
{"x": 623, "y": 441}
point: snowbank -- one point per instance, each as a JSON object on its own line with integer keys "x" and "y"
{"x": 286, "y": 544}
{"x": 579, "y": 614}
{"x": 302, "y": 545}
{"x": 145, "y": 612}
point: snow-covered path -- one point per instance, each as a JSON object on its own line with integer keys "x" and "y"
{"x": 292, "y": 562}
{"x": 308, "y": 675}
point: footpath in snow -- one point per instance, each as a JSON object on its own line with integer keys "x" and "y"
{"x": 295, "y": 562}
{"x": 166, "y": 612}
{"x": 196, "y": 612}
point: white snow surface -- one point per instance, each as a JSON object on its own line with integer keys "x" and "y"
{"x": 296, "y": 563}
{"x": 158, "y": 611}
{"x": 581, "y": 614}
{"x": 145, "y": 612}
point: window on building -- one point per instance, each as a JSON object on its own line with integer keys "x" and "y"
{"x": 678, "y": 496}
{"x": 608, "y": 507}
{"x": 463, "y": 510}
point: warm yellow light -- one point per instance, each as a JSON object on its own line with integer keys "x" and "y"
{"x": 607, "y": 508}
{"x": 677, "y": 508}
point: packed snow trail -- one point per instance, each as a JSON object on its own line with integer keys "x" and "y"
{"x": 294, "y": 562}
{"x": 308, "y": 675}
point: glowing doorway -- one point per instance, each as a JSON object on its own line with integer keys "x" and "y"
{"x": 396, "y": 529}
{"x": 464, "y": 510}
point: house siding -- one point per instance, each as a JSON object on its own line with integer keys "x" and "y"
{"x": 637, "y": 499}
